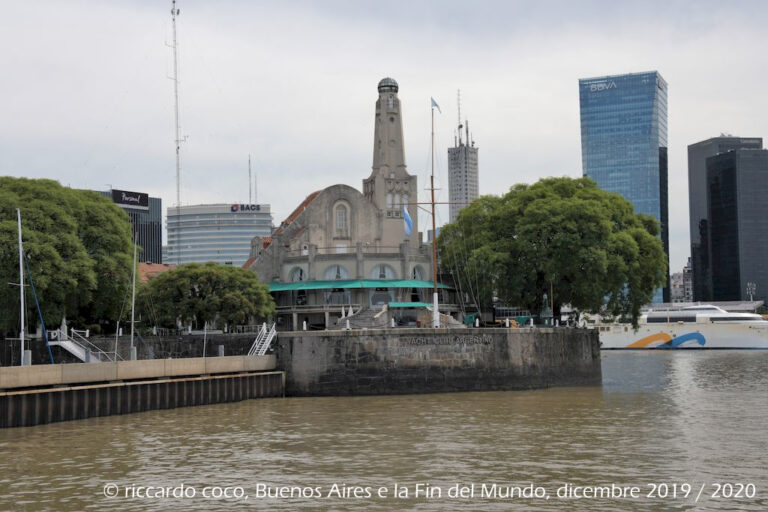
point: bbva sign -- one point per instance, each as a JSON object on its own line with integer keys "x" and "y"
{"x": 602, "y": 86}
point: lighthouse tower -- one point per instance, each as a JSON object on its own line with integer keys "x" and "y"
{"x": 390, "y": 187}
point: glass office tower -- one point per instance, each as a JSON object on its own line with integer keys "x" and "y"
{"x": 221, "y": 233}
{"x": 624, "y": 143}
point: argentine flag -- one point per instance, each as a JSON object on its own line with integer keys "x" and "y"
{"x": 407, "y": 222}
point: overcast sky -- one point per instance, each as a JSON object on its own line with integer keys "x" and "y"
{"x": 85, "y": 97}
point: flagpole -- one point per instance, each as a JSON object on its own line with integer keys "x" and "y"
{"x": 435, "y": 312}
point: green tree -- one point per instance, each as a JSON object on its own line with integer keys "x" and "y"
{"x": 558, "y": 235}
{"x": 197, "y": 294}
{"x": 79, "y": 248}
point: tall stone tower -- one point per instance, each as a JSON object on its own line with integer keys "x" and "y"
{"x": 389, "y": 186}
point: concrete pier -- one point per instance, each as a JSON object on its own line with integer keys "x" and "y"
{"x": 397, "y": 361}
{"x": 49, "y": 393}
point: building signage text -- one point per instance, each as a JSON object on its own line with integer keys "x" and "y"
{"x": 602, "y": 86}
{"x": 457, "y": 339}
{"x": 245, "y": 207}
{"x": 127, "y": 199}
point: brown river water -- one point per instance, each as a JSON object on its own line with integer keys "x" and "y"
{"x": 687, "y": 429}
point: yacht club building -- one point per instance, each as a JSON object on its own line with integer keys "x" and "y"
{"x": 344, "y": 248}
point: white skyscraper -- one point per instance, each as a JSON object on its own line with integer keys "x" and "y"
{"x": 462, "y": 172}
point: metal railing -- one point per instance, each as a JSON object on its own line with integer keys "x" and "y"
{"x": 345, "y": 249}
{"x": 263, "y": 340}
{"x": 81, "y": 347}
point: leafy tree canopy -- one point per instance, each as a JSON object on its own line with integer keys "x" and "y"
{"x": 79, "y": 248}
{"x": 197, "y": 294}
{"x": 559, "y": 235}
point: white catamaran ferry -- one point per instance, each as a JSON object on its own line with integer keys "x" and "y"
{"x": 694, "y": 327}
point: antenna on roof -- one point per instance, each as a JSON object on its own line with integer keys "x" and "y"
{"x": 458, "y": 100}
{"x": 250, "y": 188}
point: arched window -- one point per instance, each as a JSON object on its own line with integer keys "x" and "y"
{"x": 336, "y": 295}
{"x": 341, "y": 220}
{"x": 297, "y": 274}
{"x": 382, "y": 272}
{"x": 381, "y": 295}
{"x": 335, "y": 272}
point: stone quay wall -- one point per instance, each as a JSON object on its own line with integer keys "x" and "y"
{"x": 371, "y": 362}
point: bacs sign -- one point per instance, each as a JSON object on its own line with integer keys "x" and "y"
{"x": 245, "y": 208}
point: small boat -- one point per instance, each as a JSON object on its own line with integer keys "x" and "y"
{"x": 693, "y": 327}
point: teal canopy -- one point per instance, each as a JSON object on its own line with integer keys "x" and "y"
{"x": 352, "y": 283}
{"x": 409, "y": 305}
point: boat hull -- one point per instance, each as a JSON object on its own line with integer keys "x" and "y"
{"x": 684, "y": 336}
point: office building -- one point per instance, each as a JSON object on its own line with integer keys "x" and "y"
{"x": 146, "y": 219}
{"x": 624, "y": 143}
{"x": 221, "y": 233}
{"x": 681, "y": 284}
{"x": 737, "y": 218}
{"x": 462, "y": 173}
{"x": 698, "y": 154}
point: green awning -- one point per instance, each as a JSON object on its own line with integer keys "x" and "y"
{"x": 352, "y": 283}
{"x": 409, "y": 305}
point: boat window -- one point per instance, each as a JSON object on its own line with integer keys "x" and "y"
{"x": 670, "y": 319}
{"x": 730, "y": 318}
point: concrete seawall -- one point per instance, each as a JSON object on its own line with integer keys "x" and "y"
{"x": 33, "y": 395}
{"x": 368, "y": 362}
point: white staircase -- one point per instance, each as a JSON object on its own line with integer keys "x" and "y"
{"x": 78, "y": 345}
{"x": 263, "y": 340}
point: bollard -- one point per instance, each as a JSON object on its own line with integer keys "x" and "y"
{"x": 87, "y": 355}
{"x": 151, "y": 352}
{"x": 221, "y": 350}
{"x": 133, "y": 353}
{"x": 348, "y": 328}
{"x": 120, "y": 332}
{"x": 304, "y": 325}
{"x": 393, "y": 322}
{"x": 507, "y": 322}
{"x": 27, "y": 358}
{"x": 477, "y": 322}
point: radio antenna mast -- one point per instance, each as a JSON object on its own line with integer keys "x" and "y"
{"x": 460, "y": 126}
{"x": 250, "y": 183}
{"x": 178, "y": 140}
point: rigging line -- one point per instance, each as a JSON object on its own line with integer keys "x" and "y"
{"x": 458, "y": 279}
{"x": 462, "y": 247}
{"x": 37, "y": 304}
{"x": 478, "y": 294}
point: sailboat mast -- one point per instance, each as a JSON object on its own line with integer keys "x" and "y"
{"x": 21, "y": 284}
{"x": 133, "y": 289}
{"x": 435, "y": 312}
